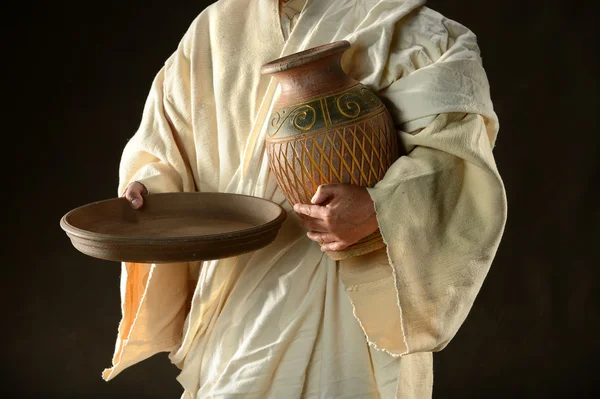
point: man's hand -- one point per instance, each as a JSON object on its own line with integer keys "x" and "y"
{"x": 134, "y": 193}
{"x": 340, "y": 216}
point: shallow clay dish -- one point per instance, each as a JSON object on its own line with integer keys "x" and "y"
{"x": 174, "y": 227}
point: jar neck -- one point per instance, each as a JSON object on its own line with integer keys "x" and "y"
{"x": 313, "y": 79}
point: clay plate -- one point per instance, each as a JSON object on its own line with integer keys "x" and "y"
{"x": 174, "y": 227}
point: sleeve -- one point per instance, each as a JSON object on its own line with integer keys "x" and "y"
{"x": 155, "y": 298}
{"x": 161, "y": 152}
{"x": 441, "y": 208}
{"x": 153, "y": 304}
{"x": 441, "y": 211}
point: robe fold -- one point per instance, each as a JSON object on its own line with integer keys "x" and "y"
{"x": 286, "y": 321}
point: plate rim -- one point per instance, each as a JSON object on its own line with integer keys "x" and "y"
{"x": 71, "y": 230}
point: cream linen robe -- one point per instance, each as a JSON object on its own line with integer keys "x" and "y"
{"x": 286, "y": 321}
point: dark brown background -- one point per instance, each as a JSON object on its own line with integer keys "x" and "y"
{"x": 78, "y": 75}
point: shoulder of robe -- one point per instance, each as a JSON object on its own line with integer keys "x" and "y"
{"x": 441, "y": 29}
{"x": 205, "y": 23}
{"x": 426, "y": 36}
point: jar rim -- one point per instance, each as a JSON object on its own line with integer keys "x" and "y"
{"x": 304, "y": 57}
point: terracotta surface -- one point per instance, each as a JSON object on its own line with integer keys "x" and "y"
{"x": 174, "y": 227}
{"x": 326, "y": 127}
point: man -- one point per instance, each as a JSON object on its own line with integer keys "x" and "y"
{"x": 287, "y": 321}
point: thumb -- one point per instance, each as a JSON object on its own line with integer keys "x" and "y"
{"x": 324, "y": 192}
{"x": 135, "y": 199}
{"x": 134, "y": 196}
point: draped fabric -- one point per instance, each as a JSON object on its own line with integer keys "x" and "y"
{"x": 287, "y": 321}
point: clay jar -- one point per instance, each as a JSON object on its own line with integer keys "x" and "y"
{"x": 326, "y": 127}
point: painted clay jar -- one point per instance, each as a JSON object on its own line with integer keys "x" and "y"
{"x": 326, "y": 127}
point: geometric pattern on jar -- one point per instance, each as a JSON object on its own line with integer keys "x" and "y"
{"x": 359, "y": 153}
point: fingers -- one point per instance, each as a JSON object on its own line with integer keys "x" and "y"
{"x": 324, "y": 192}
{"x": 313, "y": 211}
{"x": 329, "y": 242}
{"x": 134, "y": 194}
{"x": 316, "y": 225}
{"x": 321, "y": 237}
{"x": 317, "y": 210}
{"x": 334, "y": 246}
{"x": 338, "y": 216}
